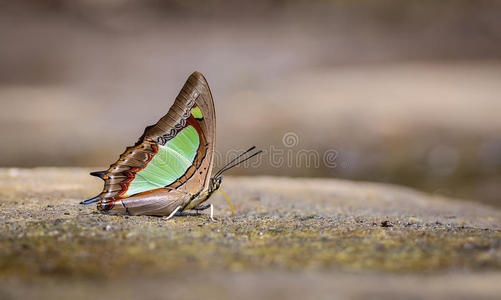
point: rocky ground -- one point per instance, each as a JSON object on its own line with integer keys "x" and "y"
{"x": 290, "y": 238}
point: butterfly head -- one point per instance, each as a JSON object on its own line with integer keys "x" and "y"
{"x": 215, "y": 183}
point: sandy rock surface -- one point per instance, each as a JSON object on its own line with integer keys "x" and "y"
{"x": 290, "y": 238}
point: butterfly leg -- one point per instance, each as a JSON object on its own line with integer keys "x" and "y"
{"x": 173, "y": 213}
{"x": 212, "y": 212}
{"x": 201, "y": 207}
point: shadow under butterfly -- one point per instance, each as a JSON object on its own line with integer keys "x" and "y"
{"x": 168, "y": 170}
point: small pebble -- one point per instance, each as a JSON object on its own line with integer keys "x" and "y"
{"x": 386, "y": 224}
{"x": 130, "y": 234}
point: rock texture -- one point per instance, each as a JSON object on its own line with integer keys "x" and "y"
{"x": 290, "y": 238}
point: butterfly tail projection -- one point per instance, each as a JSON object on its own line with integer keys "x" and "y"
{"x": 99, "y": 174}
{"x": 91, "y": 200}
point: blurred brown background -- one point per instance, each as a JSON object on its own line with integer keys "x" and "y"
{"x": 406, "y": 92}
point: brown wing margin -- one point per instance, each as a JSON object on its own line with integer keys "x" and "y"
{"x": 118, "y": 176}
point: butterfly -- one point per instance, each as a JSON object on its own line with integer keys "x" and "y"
{"x": 168, "y": 170}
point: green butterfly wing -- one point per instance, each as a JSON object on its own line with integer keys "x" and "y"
{"x": 170, "y": 163}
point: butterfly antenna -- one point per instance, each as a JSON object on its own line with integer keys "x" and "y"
{"x": 240, "y": 155}
{"x": 228, "y": 166}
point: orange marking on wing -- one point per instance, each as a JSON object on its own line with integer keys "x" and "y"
{"x": 131, "y": 174}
